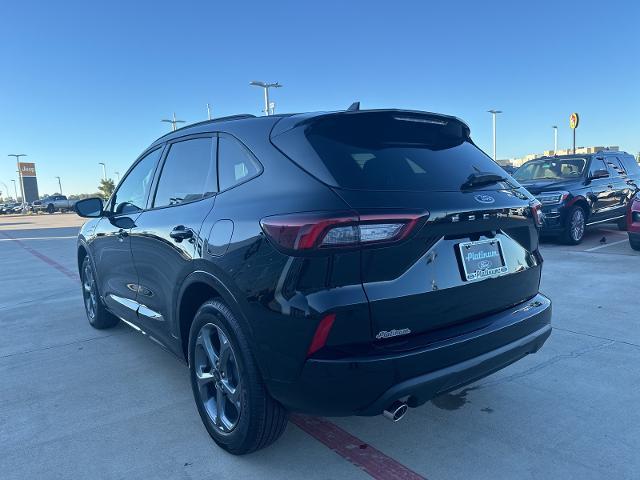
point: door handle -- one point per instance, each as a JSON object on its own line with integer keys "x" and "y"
{"x": 181, "y": 233}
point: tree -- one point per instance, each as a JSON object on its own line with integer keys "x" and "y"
{"x": 106, "y": 187}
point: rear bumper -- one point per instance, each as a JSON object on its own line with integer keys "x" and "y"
{"x": 367, "y": 385}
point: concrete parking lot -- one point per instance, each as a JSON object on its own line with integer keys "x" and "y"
{"x": 79, "y": 403}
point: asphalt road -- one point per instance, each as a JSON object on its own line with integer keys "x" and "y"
{"x": 79, "y": 403}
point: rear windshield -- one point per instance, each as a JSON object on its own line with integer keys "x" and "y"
{"x": 376, "y": 151}
{"x": 551, "y": 169}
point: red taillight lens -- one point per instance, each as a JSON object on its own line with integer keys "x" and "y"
{"x": 322, "y": 332}
{"x": 536, "y": 211}
{"x": 322, "y": 230}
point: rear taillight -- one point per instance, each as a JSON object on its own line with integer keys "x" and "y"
{"x": 536, "y": 212}
{"x": 324, "y": 230}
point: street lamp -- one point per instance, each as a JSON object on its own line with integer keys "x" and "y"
{"x": 15, "y": 190}
{"x": 18, "y": 155}
{"x": 173, "y": 121}
{"x": 208, "y": 111}
{"x": 104, "y": 170}
{"x": 555, "y": 139}
{"x": 266, "y": 87}
{"x": 493, "y": 114}
{"x": 117, "y": 175}
{"x": 59, "y": 185}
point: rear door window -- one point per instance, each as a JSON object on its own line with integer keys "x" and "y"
{"x": 236, "y": 163}
{"x": 597, "y": 164}
{"x": 188, "y": 173}
{"x": 387, "y": 151}
{"x": 615, "y": 167}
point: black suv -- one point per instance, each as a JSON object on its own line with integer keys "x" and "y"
{"x": 581, "y": 190}
{"x": 346, "y": 263}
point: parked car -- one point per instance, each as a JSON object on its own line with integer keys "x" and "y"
{"x": 5, "y": 207}
{"x": 345, "y": 263}
{"x": 633, "y": 222}
{"x": 52, "y": 204}
{"x": 577, "y": 191}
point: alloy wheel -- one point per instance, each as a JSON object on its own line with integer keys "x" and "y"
{"x": 218, "y": 377}
{"x": 577, "y": 225}
{"x": 89, "y": 291}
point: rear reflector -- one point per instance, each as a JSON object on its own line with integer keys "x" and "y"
{"x": 322, "y": 332}
{"x": 322, "y": 230}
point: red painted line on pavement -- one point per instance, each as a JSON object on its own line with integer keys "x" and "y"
{"x": 49, "y": 261}
{"x": 354, "y": 450}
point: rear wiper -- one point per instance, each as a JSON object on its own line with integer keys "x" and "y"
{"x": 480, "y": 179}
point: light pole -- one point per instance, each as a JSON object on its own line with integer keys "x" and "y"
{"x": 208, "y": 111}
{"x": 493, "y": 114}
{"x": 59, "y": 185}
{"x": 18, "y": 155}
{"x": 117, "y": 175}
{"x": 173, "y": 121}
{"x": 104, "y": 170}
{"x": 15, "y": 190}
{"x": 555, "y": 139}
{"x": 266, "y": 87}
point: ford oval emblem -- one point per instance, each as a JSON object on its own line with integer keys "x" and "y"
{"x": 484, "y": 198}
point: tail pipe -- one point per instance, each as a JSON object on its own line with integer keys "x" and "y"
{"x": 395, "y": 411}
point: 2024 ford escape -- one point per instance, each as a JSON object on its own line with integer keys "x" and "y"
{"x": 346, "y": 263}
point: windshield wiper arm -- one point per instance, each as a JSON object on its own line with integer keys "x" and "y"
{"x": 480, "y": 179}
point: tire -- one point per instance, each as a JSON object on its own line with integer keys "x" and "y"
{"x": 574, "y": 226}
{"x": 98, "y": 316}
{"x": 249, "y": 419}
{"x": 634, "y": 242}
{"x": 622, "y": 224}
{"x": 51, "y": 208}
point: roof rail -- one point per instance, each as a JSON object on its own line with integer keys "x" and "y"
{"x": 213, "y": 120}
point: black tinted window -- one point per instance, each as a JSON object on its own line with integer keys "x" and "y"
{"x": 630, "y": 165}
{"x": 132, "y": 194}
{"x": 615, "y": 167}
{"x": 384, "y": 151}
{"x": 236, "y": 163}
{"x": 188, "y": 174}
{"x": 597, "y": 164}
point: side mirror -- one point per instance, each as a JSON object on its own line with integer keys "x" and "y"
{"x": 89, "y": 207}
{"x": 599, "y": 174}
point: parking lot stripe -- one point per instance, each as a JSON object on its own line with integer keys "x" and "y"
{"x": 354, "y": 450}
{"x": 593, "y": 249}
{"x": 49, "y": 261}
{"x": 34, "y": 238}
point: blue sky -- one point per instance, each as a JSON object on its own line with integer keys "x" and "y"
{"x": 88, "y": 82}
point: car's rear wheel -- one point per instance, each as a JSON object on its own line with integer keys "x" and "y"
{"x": 575, "y": 225}
{"x": 228, "y": 389}
{"x": 634, "y": 242}
{"x": 97, "y": 314}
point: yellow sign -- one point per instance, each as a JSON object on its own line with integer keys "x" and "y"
{"x": 574, "y": 120}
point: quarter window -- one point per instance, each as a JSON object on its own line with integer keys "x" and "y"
{"x": 236, "y": 163}
{"x": 132, "y": 194}
{"x": 188, "y": 174}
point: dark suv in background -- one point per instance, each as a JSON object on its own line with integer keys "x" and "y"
{"x": 581, "y": 190}
{"x": 346, "y": 263}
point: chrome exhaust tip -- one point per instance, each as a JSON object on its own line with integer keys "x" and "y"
{"x": 395, "y": 411}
